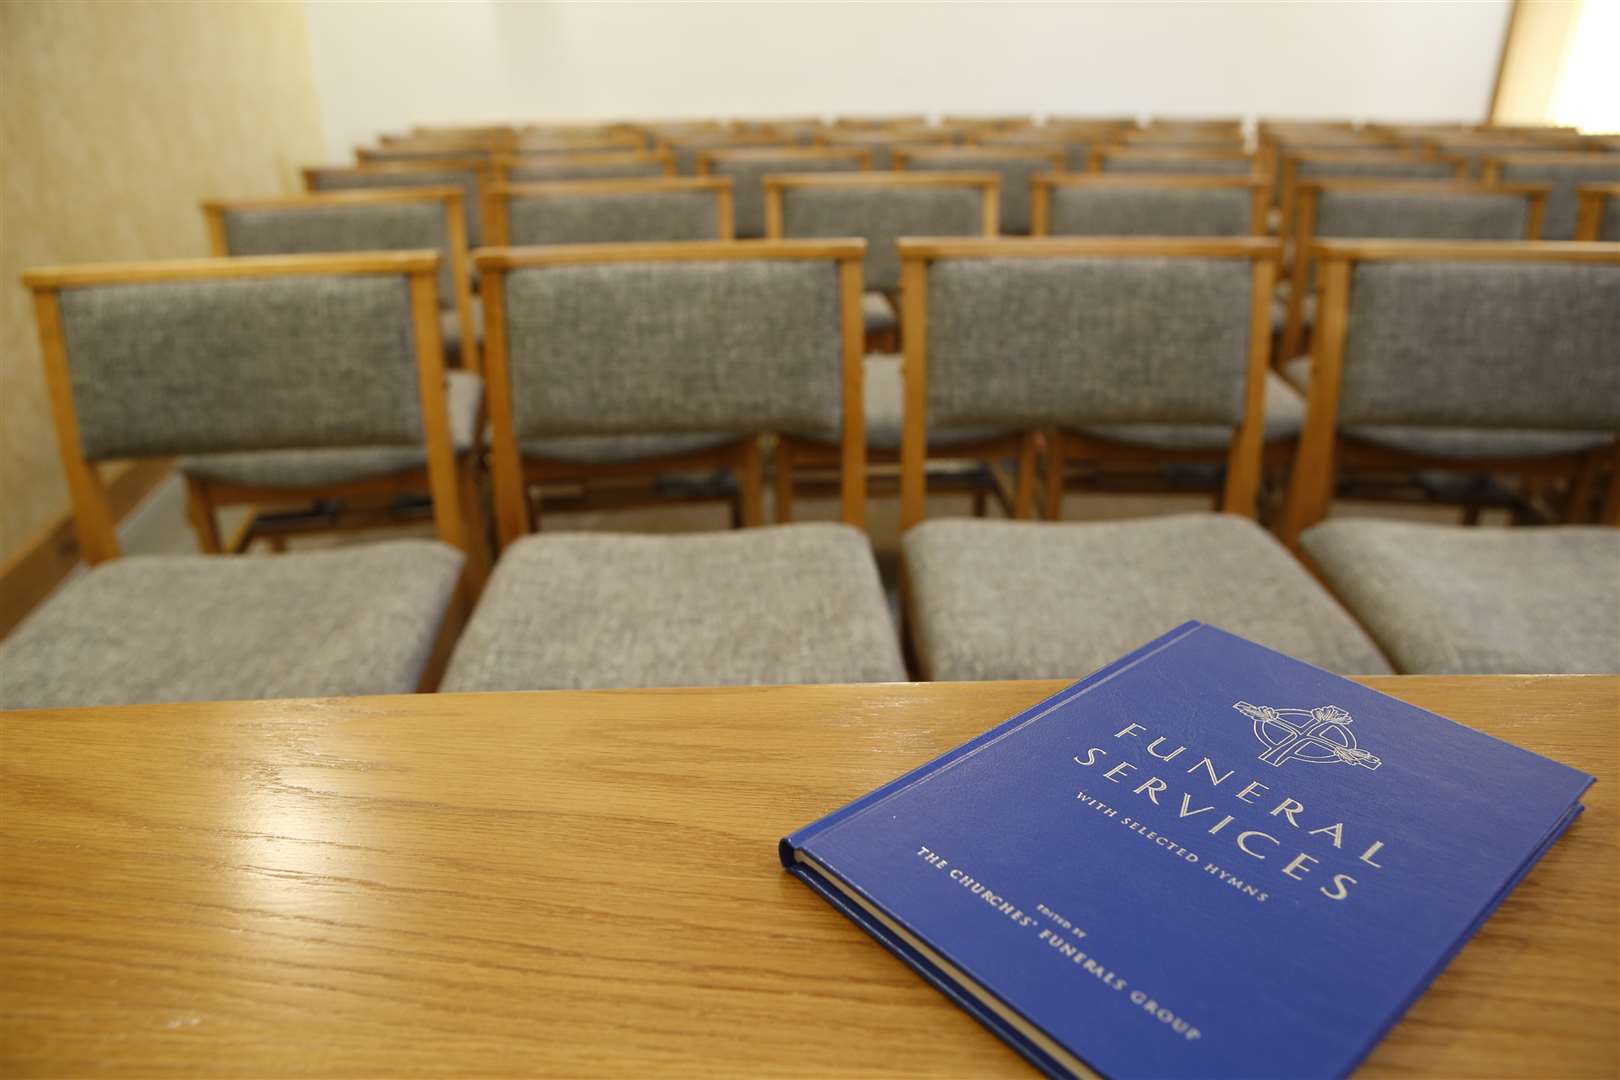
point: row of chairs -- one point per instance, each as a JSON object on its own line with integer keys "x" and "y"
{"x": 880, "y": 208}
{"x": 327, "y": 353}
{"x": 1015, "y": 164}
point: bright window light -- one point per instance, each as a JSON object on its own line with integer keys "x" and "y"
{"x": 1589, "y": 92}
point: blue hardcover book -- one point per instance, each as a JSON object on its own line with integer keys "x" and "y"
{"x": 1204, "y": 860}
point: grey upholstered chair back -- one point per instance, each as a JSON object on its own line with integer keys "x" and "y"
{"x": 1087, "y": 340}
{"x": 543, "y": 168}
{"x": 1076, "y": 145}
{"x": 882, "y": 212}
{"x": 1484, "y": 344}
{"x": 748, "y": 170}
{"x": 615, "y": 212}
{"x": 1410, "y": 214}
{"x": 467, "y": 179}
{"x": 1016, "y": 166}
{"x": 683, "y": 345}
{"x": 1150, "y": 161}
{"x": 1564, "y": 173}
{"x": 242, "y": 363}
{"x": 1608, "y": 229}
{"x": 1374, "y": 165}
{"x": 687, "y": 148}
{"x": 1149, "y": 209}
{"x": 307, "y": 228}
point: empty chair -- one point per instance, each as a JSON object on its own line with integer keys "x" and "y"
{"x": 687, "y": 146}
{"x": 158, "y": 359}
{"x": 1151, "y": 159}
{"x": 472, "y": 175}
{"x": 1510, "y": 337}
{"x": 1598, "y": 212}
{"x": 1298, "y": 166}
{"x": 376, "y": 220}
{"x": 881, "y": 142}
{"x": 1563, "y": 172}
{"x": 881, "y": 208}
{"x": 1399, "y": 209}
{"x": 1078, "y": 332}
{"x": 612, "y": 165}
{"x": 1077, "y": 139}
{"x": 1015, "y": 165}
{"x": 1146, "y": 204}
{"x": 1477, "y": 147}
{"x": 621, "y": 340}
{"x": 747, "y": 168}
{"x": 340, "y": 480}
{"x": 661, "y": 210}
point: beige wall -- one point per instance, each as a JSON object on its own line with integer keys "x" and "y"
{"x": 117, "y": 119}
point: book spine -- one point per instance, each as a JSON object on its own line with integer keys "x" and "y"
{"x": 798, "y": 839}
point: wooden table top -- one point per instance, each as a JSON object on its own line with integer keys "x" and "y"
{"x": 577, "y": 884}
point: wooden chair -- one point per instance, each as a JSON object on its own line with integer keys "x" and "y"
{"x": 473, "y": 175}
{"x": 689, "y": 146}
{"x": 880, "y": 142}
{"x": 896, "y": 120}
{"x": 1399, "y": 209}
{"x": 537, "y": 168}
{"x": 1299, "y": 165}
{"x": 662, "y": 209}
{"x": 882, "y": 207}
{"x": 335, "y": 489}
{"x": 426, "y": 150}
{"x": 1597, "y": 215}
{"x": 1506, "y": 345}
{"x": 635, "y": 338}
{"x": 1147, "y": 204}
{"x": 1015, "y": 165}
{"x": 1077, "y": 139}
{"x": 1564, "y": 171}
{"x": 226, "y": 355}
{"x": 747, "y": 168}
{"x": 1525, "y": 340}
{"x": 1478, "y": 146}
{"x": 1017, "y": 599}
{"x": 1151, "y": 159}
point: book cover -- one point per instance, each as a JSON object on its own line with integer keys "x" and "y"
{"x": 1205, "y": 859}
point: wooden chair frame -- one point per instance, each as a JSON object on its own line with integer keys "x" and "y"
{"x": 1590, "y": 202}
{"x": 92, "y": 515}
{"x": 1322, "y": 447}
{"x": 596, "y": 142}
{"x": 708, "y": 159}
{"x": 1054, "y": 152}
{"x": 795, "y": 454}
{"x": 497, "y": 220}
{"x": 512, "y": 473}
{"x": 1288, "y": 178}
{"x": 899, "y": 120}
{"x": 482, "y": 168}
{"x": 1308, "y": 198}
{"x": 988, "y": 122}
{"x": 503, "y": 164}
{"x": 1100, "y": 155}
{"x": 214, "y": 211}
{"x": 917, "y": 257}
{"x": 1040, "y": 220}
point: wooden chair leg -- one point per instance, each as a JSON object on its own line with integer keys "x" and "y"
{"x": 783, "y": 479}
{"x": 474, "y": 522}
{"x": 1024, "y": 492}
{"x": 1610, "y": 514}
{"x": 200, "y": 508}
{"x": 1578, "y": 508}
{"x": 751, "y": 484}
{"x": 1055, "y": 461}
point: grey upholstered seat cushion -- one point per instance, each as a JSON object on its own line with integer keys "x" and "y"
{"x": 1459, "y": 444}
{"x": 883, "y": 391}
{"x": 1285, "y": 415}
{"x": 614, "y": 449}
{"x": 878, "y": 313}
{"x": 340, "y": 465}
{"x": 1441, "y": 599}
{"x": 358, "y": 620}
{"x": 785, "y": 604}
{"x": 1049, "y": 600}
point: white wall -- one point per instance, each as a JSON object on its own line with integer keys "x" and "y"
{"x": 382, "y": 66}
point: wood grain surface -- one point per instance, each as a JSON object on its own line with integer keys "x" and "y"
{"x": 586, "y": 884}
